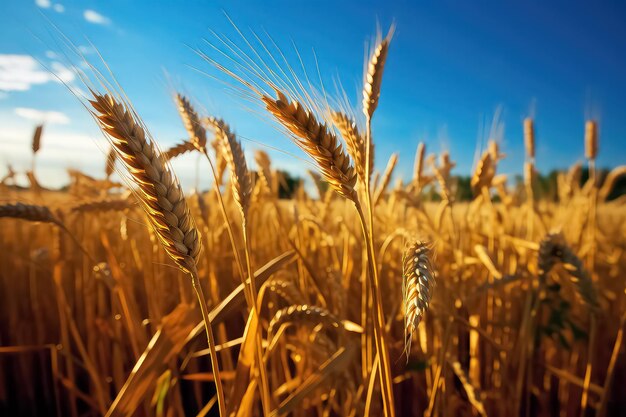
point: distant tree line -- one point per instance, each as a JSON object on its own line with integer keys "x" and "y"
{"x": 545, "y": 185}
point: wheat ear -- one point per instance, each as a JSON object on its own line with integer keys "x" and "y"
{"x": 233, "y": 153}
{"x": 264, "y": 165}
{"x": 553, "y": 249}
{"x": 162, "y": 198}
{"x": 529, "y": 137}
{"x": 192, "y": 122}
{"x": 355, "y": 142}
{"x": 483, "y": 174}
{"x": 36, "y": 144}
{"x": 374, "y": 75}
{"x": 302, "y": 313}
{"x": 317, "y": 141}
{"x": 159, "y": 190}
{"x": 103, "y": 204}
{"x": 29, "y": 212}
{"x": 42, "y": 214}
{"x": 109, "y": 165}
{"x": 418, "y": 285}
{"x": 178, "y": 149}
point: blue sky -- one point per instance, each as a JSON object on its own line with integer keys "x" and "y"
{"x": 451, "y": 66}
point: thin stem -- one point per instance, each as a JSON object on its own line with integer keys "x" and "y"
{"x": 438, "y": 372}
{"x": 379, "y": 321}
{"x": 592, "y": 214}
{"x": 249, "y": 290}
{"x": 211, "y": 340}
{"x": 266, "y": 399}
{"x": 229, "y": 227}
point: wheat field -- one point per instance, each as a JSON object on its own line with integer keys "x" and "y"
{"x": 366, "y": 297}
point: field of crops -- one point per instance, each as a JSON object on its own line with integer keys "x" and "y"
{"x": 363, "y": 298}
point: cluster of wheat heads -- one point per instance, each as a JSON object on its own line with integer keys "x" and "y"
{"x": 333, "y": 312}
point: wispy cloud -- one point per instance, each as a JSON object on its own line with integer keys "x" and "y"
{"x": 21, "y": 72}
{"x": 59, "y": 8}
{"x": 44, "y": 4}
{"x": 86, "y": 50}
{"x": 43, "y": 116}
{"x": 94, "y": 17}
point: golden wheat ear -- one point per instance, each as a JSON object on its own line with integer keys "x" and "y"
{"x": 355, "y": 142}
{"x": 158, "y": 188}
{"x": 374, "y": 74}
{"x": 418, "y": 285}
{"x": 192, "y": 122}
{"x": 235, "y": 158}
{"x": 317, "y": 140}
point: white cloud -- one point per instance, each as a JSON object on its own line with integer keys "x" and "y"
{"x": 44, "y": 4}
{"x": 61, "y": 149}
{"x": 51, "y": 55}
{"x": 59, "y": 8}
{"x": 42, "y": 116}
{"x": 21, "y": 72}
{"x": 95, "y": 17}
